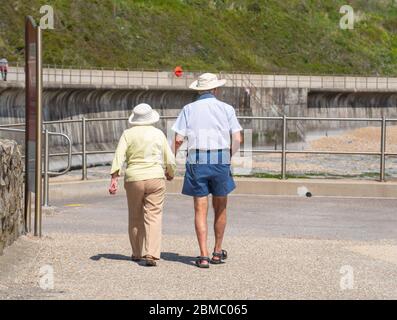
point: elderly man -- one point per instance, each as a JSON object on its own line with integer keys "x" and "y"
{"x": 213, "y": 135}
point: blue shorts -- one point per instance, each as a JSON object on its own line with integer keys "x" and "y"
{"x": 201, "y": 179}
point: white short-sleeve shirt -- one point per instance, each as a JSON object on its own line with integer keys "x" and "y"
{"x": 207, "y": 123}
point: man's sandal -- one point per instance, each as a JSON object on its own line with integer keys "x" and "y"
{"x": 199, "y": 261}
{"x": 221, "y": 256}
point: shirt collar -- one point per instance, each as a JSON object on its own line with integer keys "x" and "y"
{"x": 205, "y": 96}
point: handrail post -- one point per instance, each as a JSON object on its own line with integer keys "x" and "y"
{"x": 383, "y": 150}
{"x": 284, "y": 149}
{"x": 39, "y": 132}
{"x": 46, "y": 169}
{"x": 84, "y": 148}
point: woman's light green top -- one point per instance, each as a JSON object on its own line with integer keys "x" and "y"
{"x": 147, "y": 152}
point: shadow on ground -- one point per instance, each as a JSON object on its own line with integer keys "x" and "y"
{"x": 175, "y": 257}
{"x": 166, "y": 256}
{"x": 110, "y": 256}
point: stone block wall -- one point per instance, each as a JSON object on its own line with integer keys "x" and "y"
{"x": 11, "y": 193}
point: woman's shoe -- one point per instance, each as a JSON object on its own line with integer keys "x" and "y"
{"x": 135, "y": 259}
{"x": 150, "y": 261}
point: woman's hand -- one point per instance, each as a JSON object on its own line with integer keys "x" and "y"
{"x": 113, "y": 185}
{"x": 169, "y": 178}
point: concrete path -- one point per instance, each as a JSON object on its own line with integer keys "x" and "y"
{"x": 280, "y": 248}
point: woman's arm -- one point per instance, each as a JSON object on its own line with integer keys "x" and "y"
{"x": 118, "y": 160}
{"x": 169, "y": 160}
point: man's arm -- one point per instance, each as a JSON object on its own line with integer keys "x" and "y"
{"x": 237, "y": 139}
{"x": 177, "y": 143}
{"x": 180, "y": 129}
{"x": 235, "y": 131}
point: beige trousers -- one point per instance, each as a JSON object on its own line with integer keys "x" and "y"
{"x": 145, "y": 207}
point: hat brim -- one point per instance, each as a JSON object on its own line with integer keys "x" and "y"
{"x": 215, "y": 84}
{"x": 155, "y": 117}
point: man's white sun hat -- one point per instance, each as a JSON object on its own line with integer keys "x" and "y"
{"x": 207, "y": 81}
{"x": 143, "y": 115}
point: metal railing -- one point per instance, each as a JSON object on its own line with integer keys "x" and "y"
{"x": 60, "y": 75}
{"x": 284, "y": 152}
{"x": 46, "y": 172}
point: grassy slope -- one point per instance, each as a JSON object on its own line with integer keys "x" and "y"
{"x": 294, "y": 36}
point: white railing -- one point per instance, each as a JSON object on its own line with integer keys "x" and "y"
{"x": 55, "y": 75}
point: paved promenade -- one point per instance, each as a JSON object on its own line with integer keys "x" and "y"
{"x": 280, "y": 248}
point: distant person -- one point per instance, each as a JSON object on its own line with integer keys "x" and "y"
{"x": 149, "y": 161}
{"x": 213, "y": 135}
{"x": 4, "y": 68}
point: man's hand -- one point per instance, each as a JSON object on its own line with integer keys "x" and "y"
{"x": 113, "y": 186}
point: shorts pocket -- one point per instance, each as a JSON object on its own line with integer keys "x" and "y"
{"x": 191, "y": 170}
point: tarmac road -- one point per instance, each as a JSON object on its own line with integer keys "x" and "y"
{"x": 261, "y": 216}
{"x": 280, "y": 248}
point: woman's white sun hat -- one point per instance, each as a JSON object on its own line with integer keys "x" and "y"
{"x": 143, "y": 115}
{"x": 207, "y": 81}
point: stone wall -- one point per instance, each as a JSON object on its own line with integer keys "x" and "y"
{"x": 11, "y": 193}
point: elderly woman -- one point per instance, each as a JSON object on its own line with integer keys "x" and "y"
{"x": 149, "y": 161}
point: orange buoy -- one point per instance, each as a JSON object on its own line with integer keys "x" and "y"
{"x": 178, "y": 71}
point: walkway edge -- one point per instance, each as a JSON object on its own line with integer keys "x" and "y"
{"x": 75, "y": 190}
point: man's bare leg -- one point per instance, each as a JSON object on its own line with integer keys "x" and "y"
{"x": 201, "y": 212}
{"x": 219, "y": 204}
